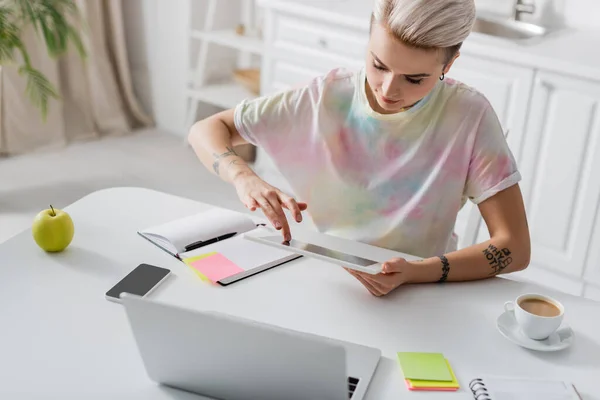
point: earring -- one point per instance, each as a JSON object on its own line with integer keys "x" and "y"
{"x": 442, "y": 77}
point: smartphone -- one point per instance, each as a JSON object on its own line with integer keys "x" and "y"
{"x": 141, "y": 281}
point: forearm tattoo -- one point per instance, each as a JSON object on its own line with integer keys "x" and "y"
{"x": 445, "y": 269}
{"x": 497, "y": 259}
{"x": 218, "y": 157}
{"x": 237, "y": 162}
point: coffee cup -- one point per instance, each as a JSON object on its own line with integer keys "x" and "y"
{"x": 537, "y": 315}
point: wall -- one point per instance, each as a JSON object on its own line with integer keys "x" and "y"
{"x": 157, "y": 32}
{"x": 583, "y": 13}
{"x": 136, "y": 40}
{"x": 161, "y": 54}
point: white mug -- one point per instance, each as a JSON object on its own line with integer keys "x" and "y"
{"x": 534, "y": 326}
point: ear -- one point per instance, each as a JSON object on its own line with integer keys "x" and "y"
{"x": 449, "y": 64}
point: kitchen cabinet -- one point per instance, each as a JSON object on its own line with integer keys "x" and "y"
{"x": 550, "y": 113}
{"x": 560, "y": 164}
{"x": 299, "y": 48}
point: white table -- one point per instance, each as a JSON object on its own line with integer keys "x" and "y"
{"x": 61, "y": 339}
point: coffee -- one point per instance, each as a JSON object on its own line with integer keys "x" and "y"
{"x": 539, "y": 307}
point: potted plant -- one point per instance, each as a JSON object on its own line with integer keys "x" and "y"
{"x": 54, "y": 21}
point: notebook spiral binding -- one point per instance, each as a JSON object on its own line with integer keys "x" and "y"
{"x": 479, "y": 390}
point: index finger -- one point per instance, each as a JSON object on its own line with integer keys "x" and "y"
{"x": 273, "y": 199}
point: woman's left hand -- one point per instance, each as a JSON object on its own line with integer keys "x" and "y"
{"x": 394, "y": 274}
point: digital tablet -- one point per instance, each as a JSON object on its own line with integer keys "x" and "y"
{"x": 312, "y": 250}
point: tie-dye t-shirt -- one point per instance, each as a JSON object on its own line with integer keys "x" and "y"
{"x": 396, "y": 181}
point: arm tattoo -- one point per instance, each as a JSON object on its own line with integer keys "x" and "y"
{"x": 237, "y": 162}
{"x": 445, "y": 269}
{"x": 218, "y": 157}
{"x": 498, "y": 259}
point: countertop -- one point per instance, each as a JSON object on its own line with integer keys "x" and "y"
{"x": 569, "y": 51}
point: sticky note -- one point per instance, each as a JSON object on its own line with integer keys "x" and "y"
{"x": 414, "y": 384}
{"x": 214, "y": 266}
{"x": 188, "y": 262}
{"x": 424, "y": 366}
{"x": 429, "y": 389}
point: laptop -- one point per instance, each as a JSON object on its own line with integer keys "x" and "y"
{"x": 226, "y": 357}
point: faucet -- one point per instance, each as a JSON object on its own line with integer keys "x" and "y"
{"x": 522, "y": 8}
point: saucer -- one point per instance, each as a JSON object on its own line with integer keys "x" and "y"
{"x": 508, "y": 327}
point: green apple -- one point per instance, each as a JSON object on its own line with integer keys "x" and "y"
{"x": 53, "y": 229}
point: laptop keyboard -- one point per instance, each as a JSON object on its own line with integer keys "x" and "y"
{"x": 352, "y": 383}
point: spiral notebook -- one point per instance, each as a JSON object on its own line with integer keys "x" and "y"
{"x": 509, "y": 388}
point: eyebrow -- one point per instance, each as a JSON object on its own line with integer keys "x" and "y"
{"x": 410, "y": 75}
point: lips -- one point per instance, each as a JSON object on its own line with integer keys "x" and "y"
{"x": 389, "y": 101}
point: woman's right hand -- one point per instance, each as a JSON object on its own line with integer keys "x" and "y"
{"x": 256, "y": 193}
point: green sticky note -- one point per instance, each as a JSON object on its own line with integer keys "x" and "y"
{"x": 424, "y": 366}
{"x": 421, "y": 384}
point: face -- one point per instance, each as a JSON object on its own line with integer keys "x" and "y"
{"x": 398, "y": 76}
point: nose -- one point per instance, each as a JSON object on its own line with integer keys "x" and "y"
{"x": 391, "y": 87}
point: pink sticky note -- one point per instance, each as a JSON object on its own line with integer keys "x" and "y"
{"x": 215, "y": 267}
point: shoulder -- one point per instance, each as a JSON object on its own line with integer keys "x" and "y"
{"x": 335, "y": 89}
{"x": 335, "y": 82}
{"x": 338, "y": 82}
{"x": 340, "y": 77}
{"x": 303, "y": 100}
{"x": 472, "y": 110}
{"x": 464, "y": 98}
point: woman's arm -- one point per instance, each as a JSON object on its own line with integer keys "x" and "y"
{"x": 508, "y": 249}
{"x": 213, "y": 140}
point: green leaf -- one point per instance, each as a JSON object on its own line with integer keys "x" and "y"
{"x": 6, "y": 13}
{"x": 6, "y": 51}
{"x": 76, "y": 40}
{"x": 39, "y": 89}
{"x": 29, "y": 10}
{"x": 51, "y": 18}
{"x": 6, "y": 17}
{"x": 66, "y": 5}
{"x": 9, "y": 38}
{"x": 54, "y": 27}
{"x": 57, "y": 22}
{"x": 51, "y": 43}
{"x": 9, "y": 42}
{"x": 21, "y": 47}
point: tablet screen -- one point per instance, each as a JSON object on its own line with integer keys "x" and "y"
{"x": 322, "y": 251}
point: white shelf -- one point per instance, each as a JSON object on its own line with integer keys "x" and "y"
{"x": 226, "y": 94}
{"x": 231, "y": 39}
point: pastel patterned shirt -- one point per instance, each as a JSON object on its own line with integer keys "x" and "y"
{"x": 396, "y": 181}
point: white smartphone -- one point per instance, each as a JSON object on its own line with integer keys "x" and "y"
{"x": 141, "y": 281}
{"x": 312, "y": 250}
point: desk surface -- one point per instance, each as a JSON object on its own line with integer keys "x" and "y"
{"x": 62, "y": 339}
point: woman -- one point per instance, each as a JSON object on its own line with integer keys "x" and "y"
{"x": 386, "y": 155}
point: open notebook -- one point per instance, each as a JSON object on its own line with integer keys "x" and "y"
{"x": 212, "y": 244}
{"x": 507, "y": 388}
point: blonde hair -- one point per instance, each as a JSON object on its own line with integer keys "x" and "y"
{"x": 427, "y": 24}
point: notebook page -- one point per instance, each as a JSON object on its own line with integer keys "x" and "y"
{"x": 201, "y": 227}
{"x": 501, "y": 388}
{"x": 244, "y": 253}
